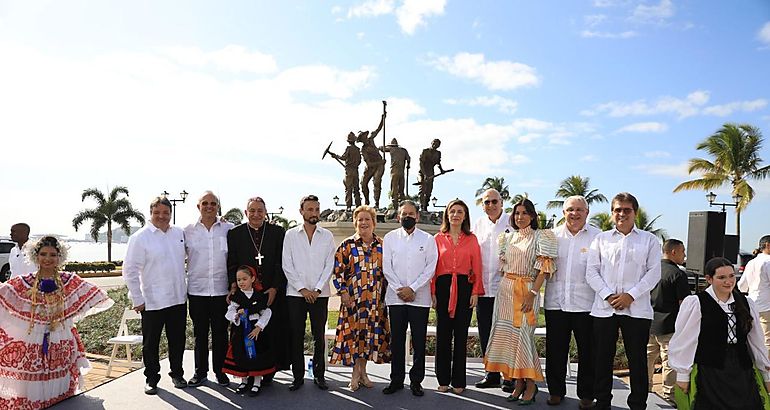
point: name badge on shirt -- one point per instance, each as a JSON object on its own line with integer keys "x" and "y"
{"x": 583, "y": 250}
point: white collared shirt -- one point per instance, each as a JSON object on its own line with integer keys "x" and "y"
{"x": 409, "y": 260}
{"x": 487, "y": 233}
{"x": 620, "y": 263}
{"x": 154, "y": 267}
{"x": 19, "y": 263}
{"x": 684, "y": 342}
{"x": 755, "y": 281}
{"x": 207, "y": 258}
{"x": 308, "y": 264}
{"x": 567, "y": 289}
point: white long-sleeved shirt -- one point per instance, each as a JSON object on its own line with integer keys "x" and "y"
{"x": 153, "y": 268}
{"x": 262, "y": 318}
{"x": 620, "y": 263}
{"x": 567, "y": 289}
{"x": 207, "y": 258}
{"x": 19, "y": 263}
{"x": 756, "y": 281}
{"x": 409, "y": 260}
{"x": 684, "y": 342}
{"x": 487, "y": 233}
{"x": 308, "y": 264}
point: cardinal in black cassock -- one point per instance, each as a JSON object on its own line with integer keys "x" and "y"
{"x": 259, "y": 244}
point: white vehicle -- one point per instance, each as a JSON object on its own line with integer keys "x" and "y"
{"x": 5, "y": 251}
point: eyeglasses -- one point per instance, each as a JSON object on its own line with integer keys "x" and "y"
{"x": 623, "y": 210}
{"x": 491, "y": 201}
{"x": 207, "y": 203}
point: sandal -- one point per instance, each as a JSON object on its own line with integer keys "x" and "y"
{"x": 254, "y": 391}
{"x": 458, "y": 390}
{"x": 443, "y": 389}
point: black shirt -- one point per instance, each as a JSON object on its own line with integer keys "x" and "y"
{"x": 666, "y": 297}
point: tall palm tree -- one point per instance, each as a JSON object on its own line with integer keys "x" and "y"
{"x": 644, "y": 223}
{"x": 735, "y": 152}
{"x": 112, "y": 208}
{"x": 603, "y": 221}
{"x": 576, "y": 185}
{"x": 516, "y": 199}
{"x": 234, "y": 216}
{"x": 493, "y": 183}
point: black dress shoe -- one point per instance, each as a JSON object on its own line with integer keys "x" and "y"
{"x": 296, "y": 384}
{"x": 243, "y": 388}
{"x": 321, "y": 383}
{"x": 392, "y": 388}
{"x": 267, "y": 380}
{"x": 416, "y": 389}
{"x": 487, "y": 383}
{"x": 508, "y": 386}
{"x": 196, "y": 381}
{"x": 554, "y": 400}
{"x": 179, "y": 382}
{"x": 223, "y": 380}
{"x": 150, "y": 389}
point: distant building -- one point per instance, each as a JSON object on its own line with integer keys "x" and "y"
{"x": 118, "y": 236}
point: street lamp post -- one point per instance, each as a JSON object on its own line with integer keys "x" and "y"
{"x": 434, "y": 202}
{"x": 272, "y": 214}
{"x": 182, "y": 194}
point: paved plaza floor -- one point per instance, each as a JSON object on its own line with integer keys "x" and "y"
{"x": 126, "y": 392}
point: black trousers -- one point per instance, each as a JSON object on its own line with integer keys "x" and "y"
{"x": 416, "y": 318}
{"x": 174, "y": 319}
{"x": 484, "y": 310}
{"x": 636, "y": 333}
{"x": 451, "y": 363}
{"x": 560, "y": 326}
{"x": 208, "y": 313}
{"x": 298, "y": 313}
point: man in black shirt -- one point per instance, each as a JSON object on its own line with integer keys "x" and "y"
{"x": 666, "y": 297}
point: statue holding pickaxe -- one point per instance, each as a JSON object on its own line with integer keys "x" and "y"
{"x": 429, "y": 158}
{"x": 350, "y": 160}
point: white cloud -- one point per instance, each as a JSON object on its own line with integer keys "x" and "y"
{"x": 683, "y": 107}
{"x": 501, "y": 103}
{"x": 588, "y": 158}
{"x": 724, "y": 110}
{"x": 232, "y": 58}
{"x": 653, "y": 13}
{"x": 371, "y": 8}
{"x": 657, "y": 154}
{"x": 325, "y": 80}
{"x": 674, "y": 171}
{"x": 594, "y": 19}
{"x": 606, "y": 34}
{"x": 609, "y": 3}
{"x": 644, "y": 127}
{"x": 410, "y": 14}
{"x": 764, "y": 34}
{"x": 494, "y": 75}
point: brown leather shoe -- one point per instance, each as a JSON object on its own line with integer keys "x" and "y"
{"x": 554, "y": 400}
{"x": 586, "y": 404}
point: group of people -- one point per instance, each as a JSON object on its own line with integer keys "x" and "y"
{"x": 262, "y": 283}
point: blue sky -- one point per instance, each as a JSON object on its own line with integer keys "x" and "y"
{"x": 242, "y": 97}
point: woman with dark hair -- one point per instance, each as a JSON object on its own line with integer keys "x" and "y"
{"x": 455, "y": 287}
{"x": 716, "y": 345}
{"x": 526, "y": 257}
{"x": 42, "y": 360}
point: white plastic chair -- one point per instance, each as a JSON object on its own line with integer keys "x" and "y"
{"x": 124, "y": 338}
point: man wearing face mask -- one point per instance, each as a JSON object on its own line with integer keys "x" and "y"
{"x": 408, "y": 261}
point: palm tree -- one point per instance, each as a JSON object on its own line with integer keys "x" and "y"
{"x": 285, "y": 223}
{"x": 735, "y": 152}
{"x": 603, "y": 221}
{"x": 516, "y": 199}
{"x": 644, "y": 223}
{"x": 576, "y": 185}
{"x": 108, "y": 210}
{"x": 494, "y": 183}
{"x": 234, "y": 216}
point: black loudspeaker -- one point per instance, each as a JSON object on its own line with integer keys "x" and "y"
{"x": 705, "y": 238}
{"x": 731, "y": 248}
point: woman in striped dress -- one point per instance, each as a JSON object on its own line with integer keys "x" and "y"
{"x": 526, "y": 257}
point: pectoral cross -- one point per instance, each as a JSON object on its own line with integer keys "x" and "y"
{"x": 259, "y": 258}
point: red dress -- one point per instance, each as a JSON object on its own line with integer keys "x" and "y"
{"x": 30, "y": 379}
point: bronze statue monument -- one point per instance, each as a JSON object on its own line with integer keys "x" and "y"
{"x": 375, "y": 163}
{"x": 399, "y": 166}
{"x": 350, "y": 160}
{"x": 429, "y": 158}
